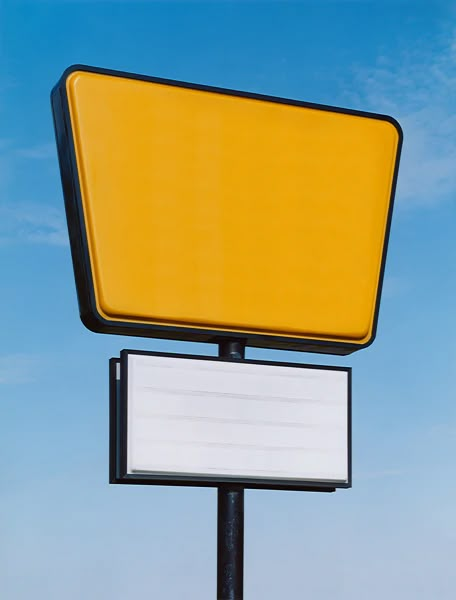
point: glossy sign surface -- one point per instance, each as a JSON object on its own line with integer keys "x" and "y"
{"x": 213, "y": 418}
{"x": 207, "y": 210}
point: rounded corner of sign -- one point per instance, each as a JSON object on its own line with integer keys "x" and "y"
{"x": 398, "y": 127}
{"x": 108, "y": 312}
{"x": 367, "y": 340}
{"x": 363, "y": 340}
{"x": 94, "y": 321}
{"x": 72, "y": 73}
{"x": 394, "y": 123}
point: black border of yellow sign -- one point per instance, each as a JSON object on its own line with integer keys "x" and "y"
{"x": 79, "y": 246}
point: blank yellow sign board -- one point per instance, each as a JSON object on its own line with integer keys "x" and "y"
{"x": 196, "y": 212}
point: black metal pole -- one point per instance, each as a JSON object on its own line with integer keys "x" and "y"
{"x": 230, "y": 517}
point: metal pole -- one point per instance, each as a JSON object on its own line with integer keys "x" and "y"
{"x": 230, "y": 517}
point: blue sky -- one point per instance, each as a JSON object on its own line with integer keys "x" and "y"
{"x": 67, "y": 534}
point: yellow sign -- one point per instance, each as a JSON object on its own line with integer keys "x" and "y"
{"x": 197, "y": 212}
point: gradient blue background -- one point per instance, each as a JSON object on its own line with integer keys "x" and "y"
{"x": 68, "y": 535}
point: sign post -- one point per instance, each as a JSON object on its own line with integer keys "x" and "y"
{"x": 230, "y": 518}
{"x": 230, "y": 543}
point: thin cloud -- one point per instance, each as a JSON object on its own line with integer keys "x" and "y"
{"x": 18, "y": 368}
{"x": 38, "y": 152}
{"x": 418, "y": 89}
{"x": 382, "y": 474}
{"x": 4, "y": 144}
{"x": 394, "y": 286}
{"x": 22, "y": 222}
{"x": 5, "y": 163}
{"x": 32, "y": 223}
{"x": 444, "y": 430}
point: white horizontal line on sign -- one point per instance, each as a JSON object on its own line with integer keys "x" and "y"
{"x": 197, "y": 417}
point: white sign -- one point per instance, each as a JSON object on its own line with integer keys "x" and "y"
{"x": 202, "y": 420}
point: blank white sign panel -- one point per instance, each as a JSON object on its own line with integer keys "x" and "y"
{"x": 243, "y": 420}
